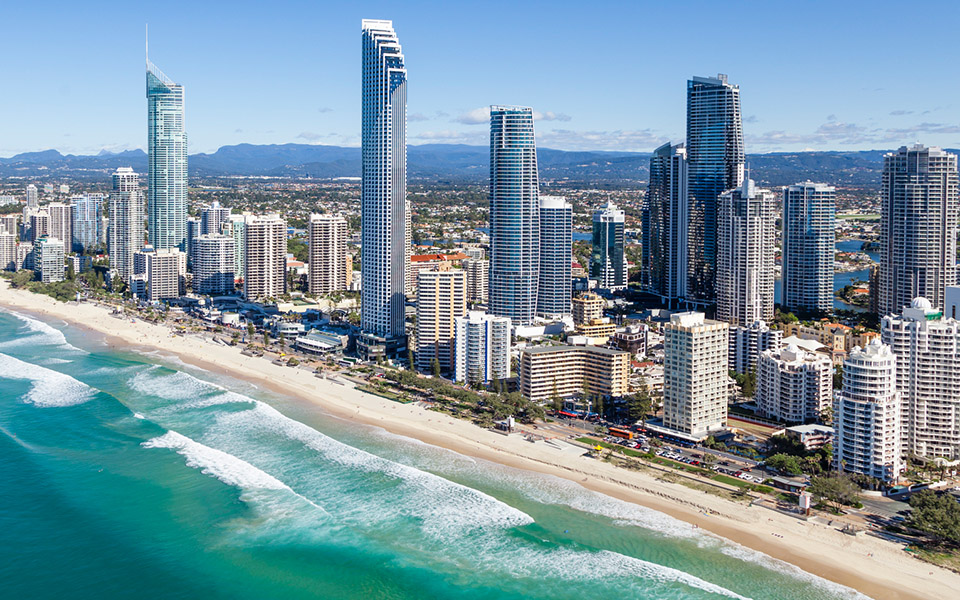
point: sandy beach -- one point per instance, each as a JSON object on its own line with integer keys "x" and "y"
{"x": 877, "y": 568}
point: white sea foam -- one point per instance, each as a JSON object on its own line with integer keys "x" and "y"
{"x": 545, "y": 489}
{"x": 48, "y": 387}
{"x": 225, "y": 467}
{"x": 444, "y": 508}
{"x": 56, "y": 361}
{"x": 137, "y": 415}
{"x": 37, "y": 333}
{"x": 188, "y": 391}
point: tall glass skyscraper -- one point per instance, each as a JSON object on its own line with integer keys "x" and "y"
{"x": 608, "y": 265}
{"x": 715, "y": 161}
{"x": 809, "y": 211}
{"x": 87, "y": 213}
{"x": 126, "y": 222}
{"x": 384, "y": 217}
{"x": 665, "y": 221}
{"x": 918, "y": 227}
{"x": 514, "y": 214}
{"x": 556, "y": 257}
{"x": 167, "y": 160}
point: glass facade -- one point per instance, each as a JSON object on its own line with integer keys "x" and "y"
{"x": 514, "y": 214}
{"x": 167, "y": 160}
{"x": 385, "y": 220}
{"x": 665, "y": 223}
{"x": 715, "y": 164}
{"x": 87, "y": 221}
{"x": 556, "y": 257}
{"x": 809, "y": 212}
{"x": 608, "y": 265}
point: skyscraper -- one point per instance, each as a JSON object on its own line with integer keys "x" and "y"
{"x": 236, "y": 227}
{"x": 87, "y": 213}
{"x": 608, "y": 265}
{"x": 441, "y": 299}
{"x": 60, "y": 218}
{"x": 556, "y": 257}
{"x": 33, "y": 199}
{"x": 695, "y": 375}
{"x": 867, "y": 415}
{"x": 514, "y": 214}
{"x": 327, "y": 238}
{"x": 266, "y": 257}
{"x": 49, "y": 260}
{"x": 665, "y": 234}
{"x": 927, "y": 347}
{"x": 385, "y": 220}
{"x": 212, "y": 218}
{"x": 745, "y": 255}
{"x": 809, "y": 211}
{"x": 715, "y": 159}
{"x": 482, "y": 351}
{"x": 918, "y": 227}
{"x": 167, "y": 162}
{"x": 126, "y": 222}
{"x": 213, "y": 263}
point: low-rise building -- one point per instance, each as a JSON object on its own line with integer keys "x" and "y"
{"x": 812, "y": 436}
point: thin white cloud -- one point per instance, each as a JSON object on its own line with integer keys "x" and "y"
{"x": 550, "y": 116}
{"x": 476, "y": 116}
{"x": 838, "y": 133}
{"x": 418, "y": 117}
{"x": 310, "y": 136}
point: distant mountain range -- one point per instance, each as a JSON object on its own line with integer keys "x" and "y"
{"x": 452, "y": 163}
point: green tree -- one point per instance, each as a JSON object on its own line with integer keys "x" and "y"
{"x": 250, "y": 331}
{"x": 837, "y": 378}
{"x": 937, "y": 515}
{"x": 598, "y": 405}
{"x": 410, "y": 364}
{"x": 435, "y": 367}
{"x": 836, "y": 489}
{"x": 785, "y": 463}
{"x": 639, "y": 404}
{"x": 71, "y": 274}
{"x": 282, "y": 339}
{"x": 266, "y": 338}
{"x": 749, "y": 383}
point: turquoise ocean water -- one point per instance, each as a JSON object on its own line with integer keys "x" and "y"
{"x": 125, "y": 475}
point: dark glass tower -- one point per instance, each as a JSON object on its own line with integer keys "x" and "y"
{"x": 715, "y": 161}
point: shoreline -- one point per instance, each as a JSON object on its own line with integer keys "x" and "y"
{"x": 875, "y": 567}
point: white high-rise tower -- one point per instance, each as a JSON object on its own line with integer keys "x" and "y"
{"x": 385, "y": 220}
{"x": 745, "y": 255}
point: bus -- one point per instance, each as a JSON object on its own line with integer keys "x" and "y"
{"x": 620, "y": 433}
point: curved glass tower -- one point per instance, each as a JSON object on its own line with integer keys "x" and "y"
{"x": 514, "y": 214}
{"x": 167, "y": 160}
{"x": 715, "y": 164}
{"x": 384, "y": 216}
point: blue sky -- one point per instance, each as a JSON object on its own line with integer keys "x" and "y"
{"x": 601, "y": 75}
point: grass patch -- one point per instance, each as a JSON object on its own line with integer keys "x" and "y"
{"x": 384, "y": 394}
{"x": 941, "y": 558}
